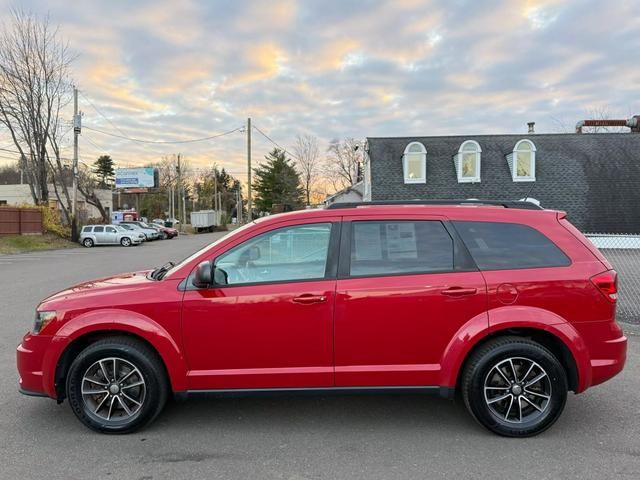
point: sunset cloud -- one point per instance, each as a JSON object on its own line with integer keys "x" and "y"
{"x": 175, "y": 70}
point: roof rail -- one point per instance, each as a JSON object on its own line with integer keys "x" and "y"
{"x": 499, "y": 203}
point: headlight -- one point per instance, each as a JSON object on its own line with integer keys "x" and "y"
{"x": 42, "y": 320}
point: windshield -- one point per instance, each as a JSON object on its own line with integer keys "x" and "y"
{"x": 120, "y": 228}
{"x": 143, "y": 225}
{"x": 190, "y": 258}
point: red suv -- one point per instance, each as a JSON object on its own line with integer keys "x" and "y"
{"x": 505, "y": 303}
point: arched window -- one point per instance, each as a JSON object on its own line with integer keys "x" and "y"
{"x": 467, "y": 162}
{"x": 414, "y": 163}
{"x": 522, "y": 161}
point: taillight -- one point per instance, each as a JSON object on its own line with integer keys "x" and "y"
{"x": 607, "y": 283}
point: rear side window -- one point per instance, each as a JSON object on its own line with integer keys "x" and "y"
{"x": 86, "y": 229}
{"x": 504, "y": 246}
{"x": 400, "y": 247}
{"x": 98, "y": 229}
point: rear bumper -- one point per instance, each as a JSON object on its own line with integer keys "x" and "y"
{"x": 610, "y": 360}
{"x": 607, "y": 350}
{"x": 30, "y": 361}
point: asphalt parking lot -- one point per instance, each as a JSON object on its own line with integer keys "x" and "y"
{"x": 340, "y": 437}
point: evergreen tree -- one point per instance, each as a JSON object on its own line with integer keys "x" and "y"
{"x": 103, "y": 168}
{"x": 277, "y": 182}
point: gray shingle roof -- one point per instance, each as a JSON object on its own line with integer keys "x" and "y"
{"x": 594, "y": 177}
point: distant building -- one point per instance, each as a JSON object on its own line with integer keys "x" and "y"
{"x": 354, "y": 193}
{"x": 21, "y": 195}
{"x": 595, "y": 178}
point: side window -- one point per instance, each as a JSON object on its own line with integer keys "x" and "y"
{"x": 110, "y": 230}
{"x": 281, "y": 255}
{"x": 397, "y": 247}
{"x": 503, "y": 246}
{"x": 98, "y": 229}
{"x": 86, "y": 229}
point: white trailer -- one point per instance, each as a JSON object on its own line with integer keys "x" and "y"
{"x": 205, "y": 220}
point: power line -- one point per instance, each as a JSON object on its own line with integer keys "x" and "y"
{"x": 102, "y": 114}
{"x": 193, "y": 140}
{"x": 274, "y": 142}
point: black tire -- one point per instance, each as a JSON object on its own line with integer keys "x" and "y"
{"x": 149, "y": 369}
{"x": 87, "y": 242}
{"x": 126, "y": 242}
{"x": 513, "y": 355}
{"x": 164, "y": 236}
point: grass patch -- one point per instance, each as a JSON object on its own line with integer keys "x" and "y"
{"x": 31, "y": 243}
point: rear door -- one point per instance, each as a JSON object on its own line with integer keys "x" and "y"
{"x": 110, "y": 235}
{"x": 98, "y": 232}
{"x": 405, "y": 287}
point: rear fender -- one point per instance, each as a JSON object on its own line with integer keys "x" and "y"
{"x": 503, "y": 319}
{"x": 507, "y": 317}
{"x": 117, "y": 321}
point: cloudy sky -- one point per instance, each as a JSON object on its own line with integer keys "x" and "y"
{"x": 174, "y": 70}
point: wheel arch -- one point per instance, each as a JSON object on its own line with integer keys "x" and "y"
{"x": 149, "y": 333}
{"x": 554, "y": 333}
{"x": 545, "y": 338}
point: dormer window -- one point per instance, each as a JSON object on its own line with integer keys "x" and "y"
{"x": 414, "y": 163}
{"x": 522, "y": 162}
{"x": 467, "y": 162}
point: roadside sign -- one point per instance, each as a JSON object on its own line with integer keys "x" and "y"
{"x": 135, "y": 177}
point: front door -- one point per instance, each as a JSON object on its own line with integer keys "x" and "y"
{"x": 405, "y": 288}
{"x": 268, "y": 320}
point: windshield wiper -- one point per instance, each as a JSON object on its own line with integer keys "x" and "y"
{"x": 159, "y": 273}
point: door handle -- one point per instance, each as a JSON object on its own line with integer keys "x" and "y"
{"x": 307, "y": 298}
{"x": 459, "y": 291}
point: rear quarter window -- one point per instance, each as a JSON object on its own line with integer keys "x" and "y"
{"x": 86, "y": 229}
{"x": 504, "y": 246}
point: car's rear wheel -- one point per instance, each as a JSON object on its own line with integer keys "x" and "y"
{"x": 87, "y": 242}
{"x": 164, "y": 236}
{"x": 514, "y": 387}
{"x": 125, "y": 241}
{"x": 117, "y": 385}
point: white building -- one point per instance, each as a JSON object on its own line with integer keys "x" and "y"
{"x": 15, "y": 195}
{"x": 353, "y": 193}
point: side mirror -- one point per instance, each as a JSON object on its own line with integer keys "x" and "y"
{"x": 204, "y": 275}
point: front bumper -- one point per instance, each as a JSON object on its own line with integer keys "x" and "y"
{"x": 30, "y": 360}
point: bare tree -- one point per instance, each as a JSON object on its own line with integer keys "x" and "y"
{"x": 308, "y": 163}
{"x": 343, "y": 164}
{"x": 34, "y": 87}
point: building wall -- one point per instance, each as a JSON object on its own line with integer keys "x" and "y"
{"x": 21, "y": 195}
{"x": 592, "y": 177}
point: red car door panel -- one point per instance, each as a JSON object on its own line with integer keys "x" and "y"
{"x": 270, "y": 323}
{"x": 392, "y": 330}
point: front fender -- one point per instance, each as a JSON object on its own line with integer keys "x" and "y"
{"x": 114, "y": 321}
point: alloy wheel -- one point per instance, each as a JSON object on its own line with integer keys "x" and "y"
{"x": 517, "y": 390}
{"x": 113, "y": 389}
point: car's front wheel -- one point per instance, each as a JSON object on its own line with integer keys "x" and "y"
{"x": 117, "y": 385}
{"x": 125, "y": 242}
{"x": 514, "y": 387}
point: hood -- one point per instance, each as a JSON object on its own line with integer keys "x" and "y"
{"x": 101, "y": 286}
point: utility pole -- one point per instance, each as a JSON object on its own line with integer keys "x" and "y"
{"x": 179, "y": 186}
{"x": 76, "y": 133}
{"x": 249, "y": 207}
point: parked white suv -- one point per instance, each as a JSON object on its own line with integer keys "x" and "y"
{"x": 109, "y": 235}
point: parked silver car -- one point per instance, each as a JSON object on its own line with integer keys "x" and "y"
{"x": 109, "y": 235}
{"x": 150, "y": 233}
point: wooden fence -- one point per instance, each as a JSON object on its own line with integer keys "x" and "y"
{"x": 20, "y": 221}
